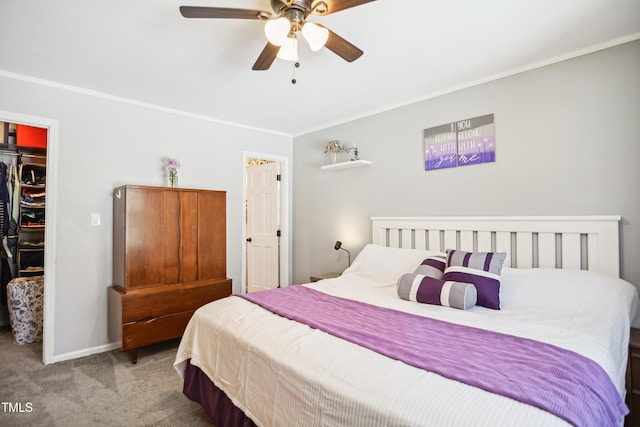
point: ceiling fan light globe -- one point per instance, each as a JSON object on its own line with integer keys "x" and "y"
{"x": 277, "y": 30}
{"x": 315, "y": 35}
{"x": 289, "y": 50}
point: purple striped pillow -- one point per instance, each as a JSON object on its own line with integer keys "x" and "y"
{"x": 487, "y": 284}
{"x": 427, "y": 290}
{"x": 482, "y": 269}
{"x": 485, "y": 261}
{"x": 433, "y": 266}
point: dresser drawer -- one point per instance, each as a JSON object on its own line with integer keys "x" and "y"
{"x": 171, "y": 300}
{"x": 154, "y": 329}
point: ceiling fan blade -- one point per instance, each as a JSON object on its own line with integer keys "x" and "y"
{"x": 221, "y": 12}
{"x": 266, "y": 58}
{"x": 334, "y": 6}
{"x": 341, "y": 47}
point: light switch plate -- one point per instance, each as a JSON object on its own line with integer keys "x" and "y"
{"x": 95, "y": 220}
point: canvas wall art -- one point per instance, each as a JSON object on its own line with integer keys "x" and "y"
{"x": 462, "y": 143}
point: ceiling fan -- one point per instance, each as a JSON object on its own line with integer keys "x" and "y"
{"x": 285, "y": 23}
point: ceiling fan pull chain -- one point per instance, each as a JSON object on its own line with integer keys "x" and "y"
{"x": 296, "y": 64}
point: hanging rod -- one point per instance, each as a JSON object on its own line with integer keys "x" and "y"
{"x": 9, "y": 153}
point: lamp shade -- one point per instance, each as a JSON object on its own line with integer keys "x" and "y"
{"x": 315, "y": 35}
{"x": 289, "y": 49}
{"x": 277, "y": 30}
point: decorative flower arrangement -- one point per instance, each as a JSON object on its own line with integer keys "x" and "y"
{"x": 172, "y": 167}
{"x": 333, "y": 147}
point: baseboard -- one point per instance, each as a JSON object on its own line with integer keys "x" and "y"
{"x": 85, "y": 352}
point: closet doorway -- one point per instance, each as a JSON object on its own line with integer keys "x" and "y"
{"x": 265, "y": 222}
{"x": 30, "y": 257}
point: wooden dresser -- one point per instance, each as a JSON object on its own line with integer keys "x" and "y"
{"x": 169, "y": 259}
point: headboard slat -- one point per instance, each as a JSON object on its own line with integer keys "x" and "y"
{"x": 484, "y": 241}
{"x": 394, "y": 238}
{"x": 420, "y": 239}
{"x": 434, "y": 240}
{"x": 571, "y": 251}
{"x": 466, "y": 240}
{"x": 524, "y": 249}
{"x": 547, "y": 250}
{"x": 450, "y": 239}
{"x": 406, "y": 238}
{"x": 503, "y": 244}
{"x": 592, "y": 252}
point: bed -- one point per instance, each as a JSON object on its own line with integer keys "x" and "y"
{"x": 286, "y": 358}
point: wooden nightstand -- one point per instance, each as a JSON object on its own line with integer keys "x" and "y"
{"x": 633, "y": 379}
{"x": 318, "y": 277}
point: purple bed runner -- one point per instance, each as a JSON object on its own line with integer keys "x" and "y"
{"x": 556, "y": 380}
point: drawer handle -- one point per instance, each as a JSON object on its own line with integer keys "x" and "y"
{"x": 147, "y": 319}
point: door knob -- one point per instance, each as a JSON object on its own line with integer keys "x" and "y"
{"x": 248, "y": 239}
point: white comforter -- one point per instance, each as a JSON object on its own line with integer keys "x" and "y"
{"x": 282, "y": 373}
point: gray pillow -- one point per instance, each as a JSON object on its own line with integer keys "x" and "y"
{"x": 427, "y": 290}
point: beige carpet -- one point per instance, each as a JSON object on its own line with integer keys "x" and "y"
{"x": 100, "y": 390}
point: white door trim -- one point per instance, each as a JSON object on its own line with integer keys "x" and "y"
{"x": 285, "y": 215}
{"x": 48, "y": 344}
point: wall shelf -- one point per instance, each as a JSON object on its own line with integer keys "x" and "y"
{"x": 346, "y": 165}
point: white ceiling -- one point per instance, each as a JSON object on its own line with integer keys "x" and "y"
{"x": 145, "y": 51}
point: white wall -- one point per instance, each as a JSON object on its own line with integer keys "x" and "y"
{"x": 567, "y": 139}
{"x": 105, "y": 143}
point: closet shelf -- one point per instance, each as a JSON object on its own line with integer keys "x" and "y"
{"x": 31, "y": 225}
{"x": 346, "y": 165}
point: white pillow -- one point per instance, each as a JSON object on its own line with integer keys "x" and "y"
{"x": 386, "y": 265}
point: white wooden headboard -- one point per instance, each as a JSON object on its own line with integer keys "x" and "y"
{"x": 573, "y": 242}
